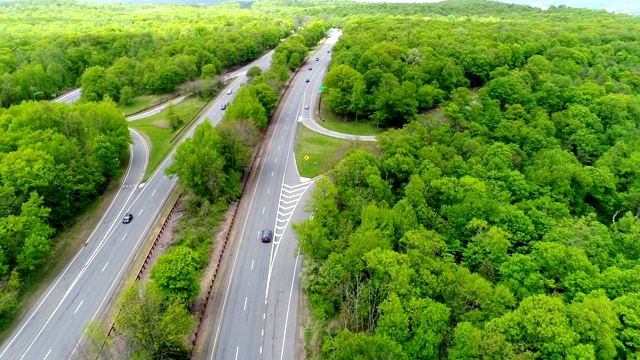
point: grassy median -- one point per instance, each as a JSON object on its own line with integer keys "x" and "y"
{"x": 323, "y": 152}
{"x": 159, "y": 133}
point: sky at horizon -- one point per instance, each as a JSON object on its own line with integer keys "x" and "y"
{"x": 618, "y": 6}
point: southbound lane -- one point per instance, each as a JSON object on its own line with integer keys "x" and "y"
{"x": 255, "y": 317}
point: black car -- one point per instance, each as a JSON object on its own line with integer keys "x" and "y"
{"x": 127, "y": 218}
{"x": 317, "y": 59}
{"x": 306, "y": 80}
{"x": 328, "y": 51}
{"x": 310, "y": 68}
{"x": 266, "y": 236}
{"x": 224, "y": 106}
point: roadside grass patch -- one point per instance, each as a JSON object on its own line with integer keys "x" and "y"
{"x": 158, "y": 132}
{"x": 324, "y": 152}
{"x": 332, "y": 122}
{"x": 140, "y": 102}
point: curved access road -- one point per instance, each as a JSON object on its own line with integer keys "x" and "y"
{"x": 311, "y": 124}
{"x": 312, "y": 93}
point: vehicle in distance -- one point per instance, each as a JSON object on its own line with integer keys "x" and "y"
{"x": 127, "y": 218}
{"x": 266, "y": 235}
{"x": 229, "y": 92}
{"x": 306, "y": 106}
{"x": 306, "y": 80}
{"x": 328, "y": 51}
{"x": 317, "y": 59}
{"x": 223, "y": 106}
{"x": 310, "y": 68}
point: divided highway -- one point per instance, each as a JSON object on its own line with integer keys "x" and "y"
{"x": 256, "y": 306}
{"x": 54, "y": 326}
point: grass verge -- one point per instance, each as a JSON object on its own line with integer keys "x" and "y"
{"x": 360, "y": 128}
{"x": 324, "y": 152}
{"x": 139, "y": 103}
{"x": 158, "y": 132}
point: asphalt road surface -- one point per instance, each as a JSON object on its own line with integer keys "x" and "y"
{"x": 255, "y": 315}
{"x": 52, "y": 329}
{"x": 69, "y": 97}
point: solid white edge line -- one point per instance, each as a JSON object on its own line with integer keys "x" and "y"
{"x": 75, "y": 257}
{"x": 286, "y": 320}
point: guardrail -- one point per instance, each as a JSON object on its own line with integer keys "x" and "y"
{"x": 154, "y": 105}
{"x": 149, "y": 254}
{"x": 245, "y": 180}
{"x": 196, "y": 115}
{"x": 246, "y": 177}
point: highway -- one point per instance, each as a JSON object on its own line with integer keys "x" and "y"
{"x": 262, "y": 62}
{"x": 52, "y": 328}
{"x": 69, "y": 97}
{"x": 255, "y": 307}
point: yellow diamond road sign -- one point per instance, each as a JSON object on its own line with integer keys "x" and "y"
{"x": 306, "y": 157}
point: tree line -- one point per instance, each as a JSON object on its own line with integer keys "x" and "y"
{"x": 54, "y": 161}
{"x": 501, "y": 224}
{"x": 121, "y": 50}
{"x": 391, "y": 70}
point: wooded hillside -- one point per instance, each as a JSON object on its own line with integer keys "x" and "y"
{"x": 501, "y": 225}
{"x": 111, "y": 49}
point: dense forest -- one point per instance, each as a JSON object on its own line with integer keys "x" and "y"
{"x": 123, "y": 50}
{"x": 501, "y": 224}
{"x": 391, "y": 70}
{"x": 54, "y": 161}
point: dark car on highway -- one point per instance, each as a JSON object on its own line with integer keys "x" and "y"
{"x": 224, "y": 106}
{"x": 127, "y": 218}
{"x": 266, "y": 236}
